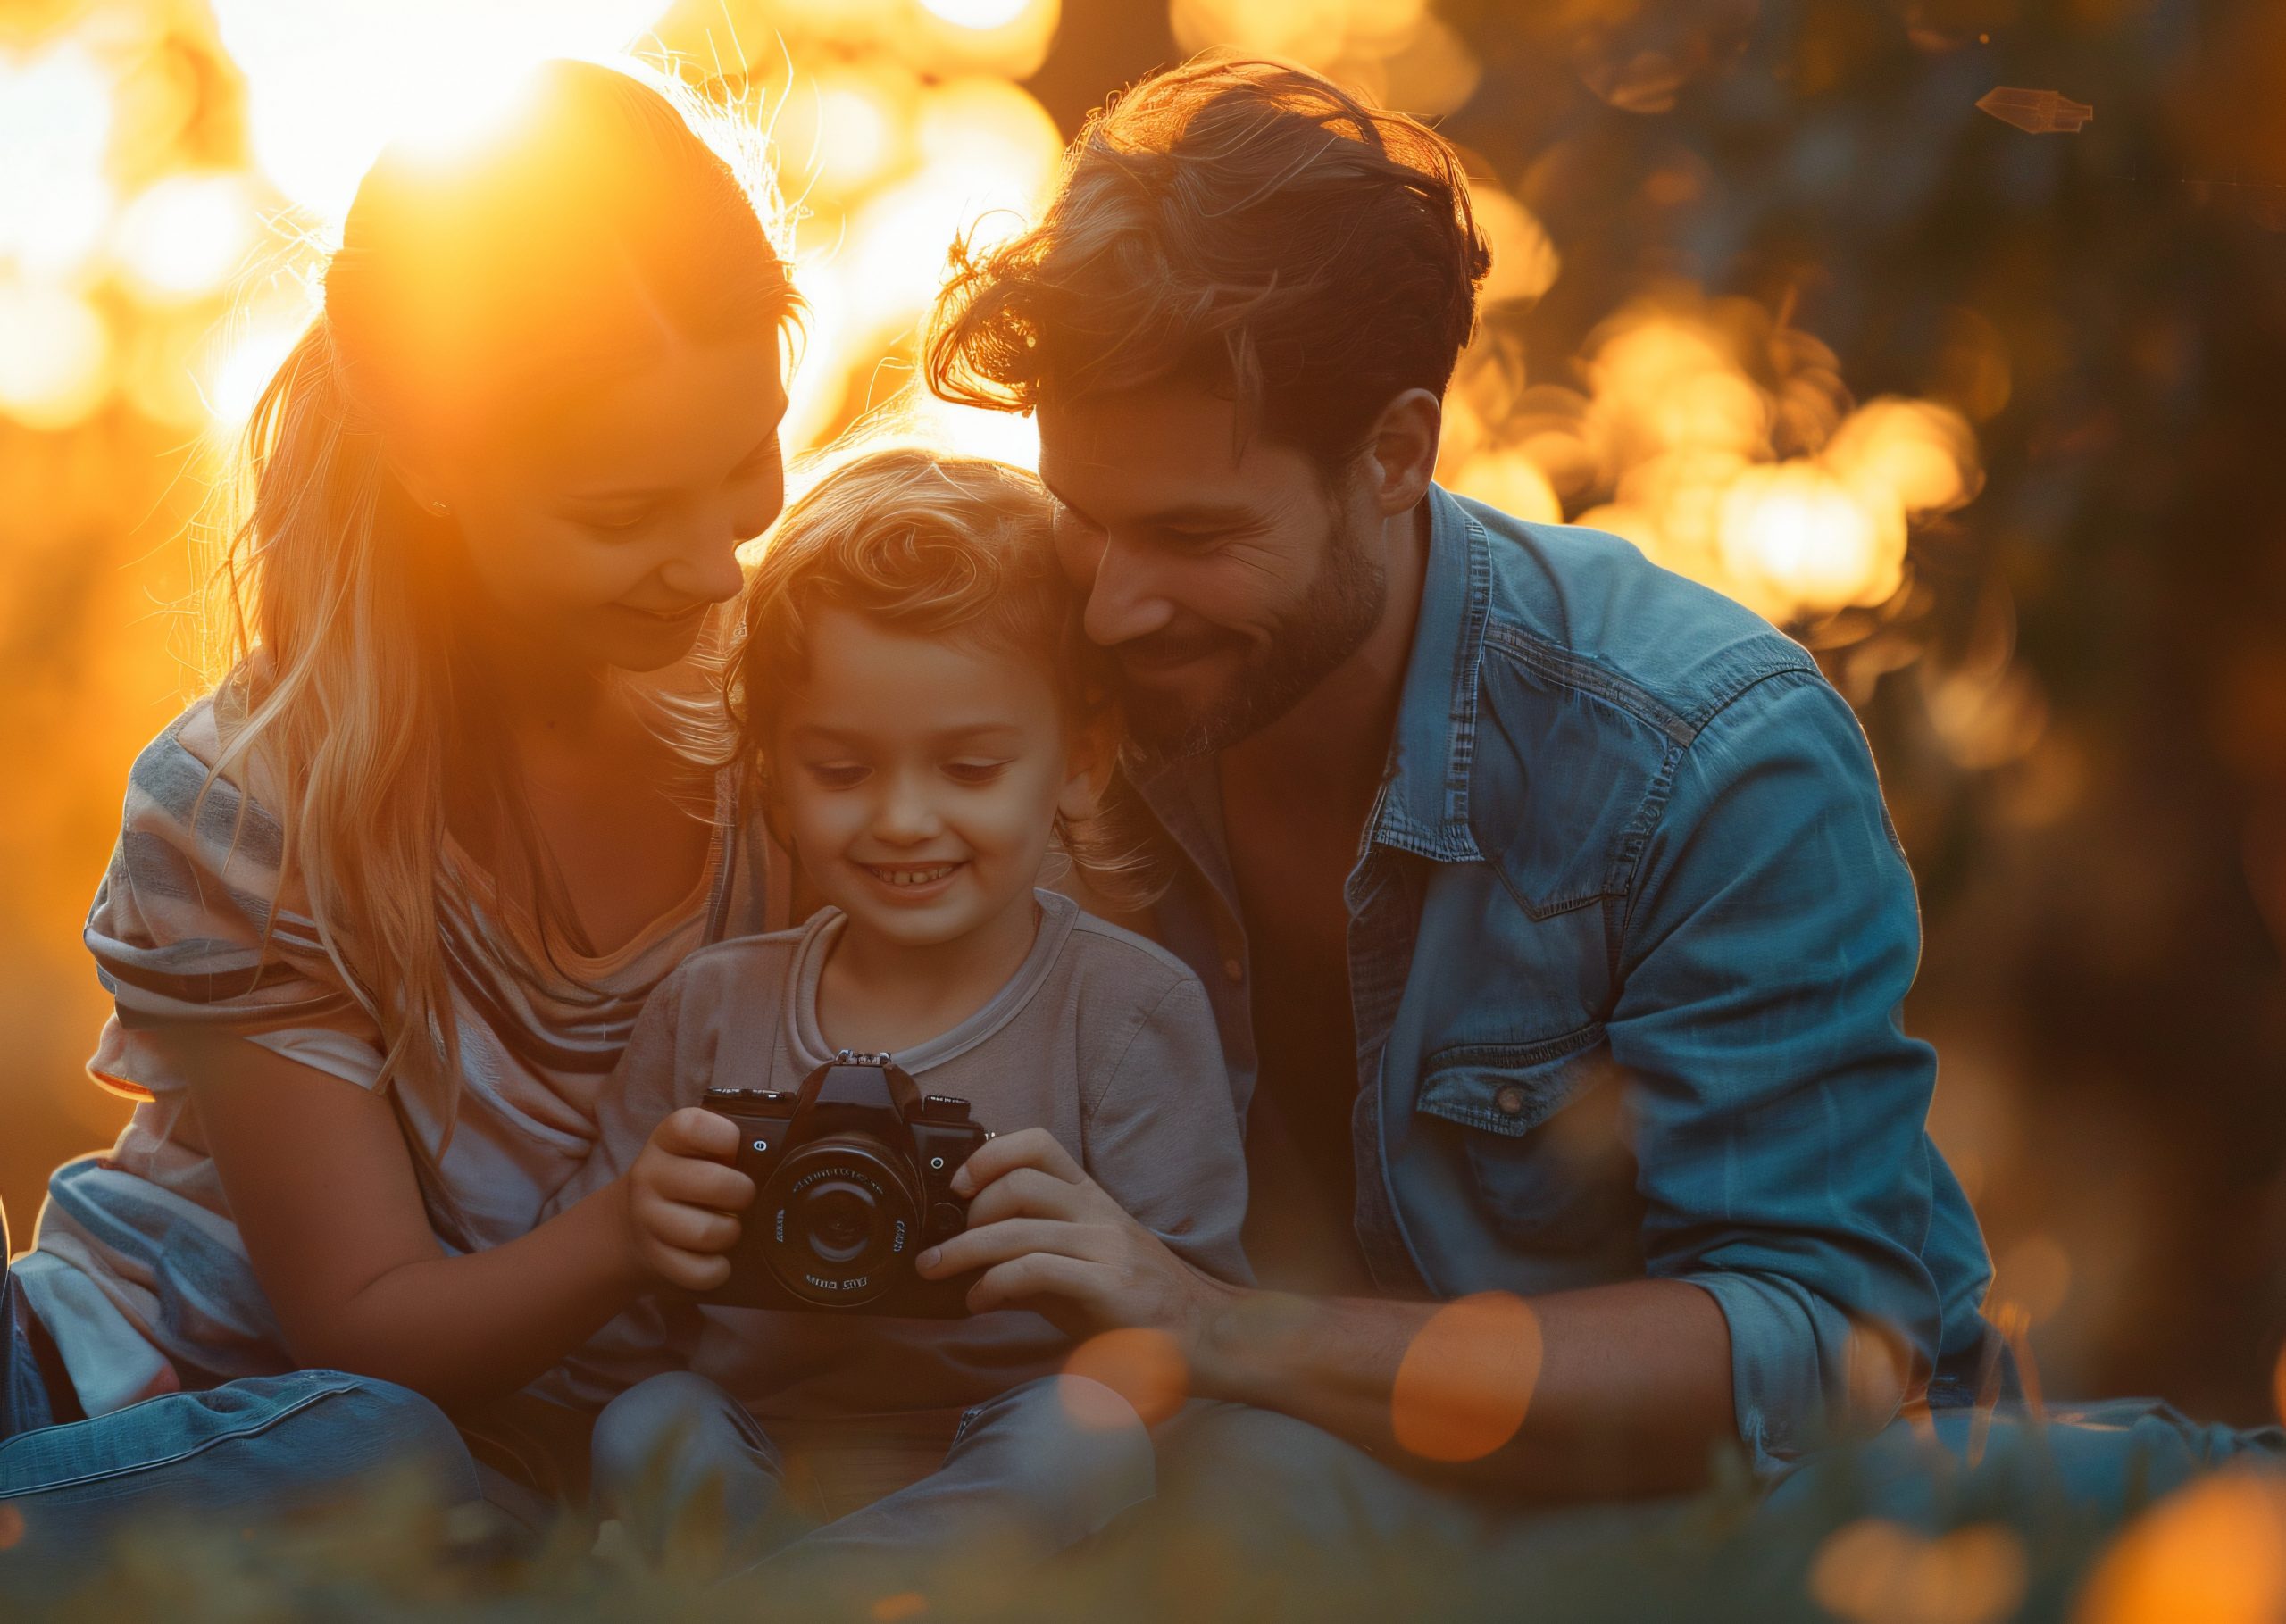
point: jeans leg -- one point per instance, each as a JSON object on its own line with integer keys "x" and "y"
{"x": 1241, "y": 1476}
{"x": 2111, "y": 1457}
{"x": 24, "y": 1404}
{"x": 1031, "y": 1472}
{"x": 690, "y": 1475}
{"x": 261, "y": 1446}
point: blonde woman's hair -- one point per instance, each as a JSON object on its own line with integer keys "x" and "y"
{"x": 939, "y": 545}
{"x": 610, "y": 216}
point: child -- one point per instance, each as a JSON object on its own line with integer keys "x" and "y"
{"x": 915, "y": 690}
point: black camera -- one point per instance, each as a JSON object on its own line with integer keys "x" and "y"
{"x": 853, "y": 1176}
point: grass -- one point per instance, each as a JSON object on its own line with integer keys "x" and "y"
{"x": 1862, "y": 1540}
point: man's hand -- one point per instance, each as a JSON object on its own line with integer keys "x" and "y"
{"x": 1048, "y": 1238}
{"x": 681, "y": 1198}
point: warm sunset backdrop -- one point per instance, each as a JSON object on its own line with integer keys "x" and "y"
{"x": 1988, "y": 417}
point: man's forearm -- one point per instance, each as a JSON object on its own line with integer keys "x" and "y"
{"x": 1614, "y": 1390}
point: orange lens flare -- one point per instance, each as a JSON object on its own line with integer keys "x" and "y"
{"x": 2213, "y": 1552}
{"x": 1467, "y": 1381}
{"x": 1874, "y": 1571}
{"x": 1143, "y": 1367}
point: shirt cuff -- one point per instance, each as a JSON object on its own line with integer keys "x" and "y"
{"x": 1784, "y": 1338}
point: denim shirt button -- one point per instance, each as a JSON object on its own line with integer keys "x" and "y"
{"x": 1234, "y": 970}
{"x": 1510, "y": 1100}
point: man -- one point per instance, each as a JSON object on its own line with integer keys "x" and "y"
{"x": 1556, "y": 925}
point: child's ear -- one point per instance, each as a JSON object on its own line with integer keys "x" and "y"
{"x": 1092, "y": 755}
{"x": 763, "y": 785}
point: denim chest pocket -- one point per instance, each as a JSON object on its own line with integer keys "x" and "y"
{"x": 1542, "y": 1128}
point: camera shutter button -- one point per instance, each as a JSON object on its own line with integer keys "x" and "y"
{"x": 946, "y": 1219}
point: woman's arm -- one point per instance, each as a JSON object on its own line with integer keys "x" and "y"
{"x": 323, "y": 1188}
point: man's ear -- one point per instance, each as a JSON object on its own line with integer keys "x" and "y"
{"x": 1403, "y": 456}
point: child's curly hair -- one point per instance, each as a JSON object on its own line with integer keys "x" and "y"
{"x": 936, "y": 545}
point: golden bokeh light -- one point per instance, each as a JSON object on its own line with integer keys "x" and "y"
{"x": 1724, "y": 444}
{"x": 56, "y": 122}
{"x": 1397, "y": 51}
{"x": 2211, "y": 1552}
{"x": 1524, "y": 262}
{"x": 185, "y": 236}
{"x": 1796, "y": 540}
{"x": 1467, "y": 1378}
{"x": 1144, "y": 1367}
{"x": 1876, "y": 1571}
{"x": 842, "y": 129}
{"x": 56, "y": 356}
{"x": 979, "y": 13}
{"x": 2035, "y": 1274}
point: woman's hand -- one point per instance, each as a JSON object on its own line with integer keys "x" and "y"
{"x": 682, "y": 1196}
{"x": 1048, "y": 1238}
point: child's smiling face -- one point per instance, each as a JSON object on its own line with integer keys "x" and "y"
{"x": 919, "y": 779}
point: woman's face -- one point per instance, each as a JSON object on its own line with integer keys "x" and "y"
{"x": 603, "y": 530}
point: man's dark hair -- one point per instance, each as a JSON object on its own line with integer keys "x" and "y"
{"x": 1239, "y": 222}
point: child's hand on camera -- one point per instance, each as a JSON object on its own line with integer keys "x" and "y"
{"x": 681, "y": 1196}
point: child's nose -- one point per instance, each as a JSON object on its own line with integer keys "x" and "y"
{"x": 906, "y": 813}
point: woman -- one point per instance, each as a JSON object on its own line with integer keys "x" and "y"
{"x": 387, "y": 902}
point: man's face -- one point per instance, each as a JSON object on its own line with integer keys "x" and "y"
{"x": 1226, "y": 588}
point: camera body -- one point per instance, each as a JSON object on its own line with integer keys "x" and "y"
{"x": 853, "y": 1179}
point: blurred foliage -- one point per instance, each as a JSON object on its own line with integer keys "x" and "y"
{"x": 1976, "y": 1547}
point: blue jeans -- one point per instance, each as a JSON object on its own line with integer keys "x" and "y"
{"x": 1263, "y": 1480}
{"x": 262, "y": 1444}
{"x": 1031, "y": 1472}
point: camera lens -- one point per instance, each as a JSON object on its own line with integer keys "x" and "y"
{"x": 843, "y": 1217}
{"x": 837, "y": 1219}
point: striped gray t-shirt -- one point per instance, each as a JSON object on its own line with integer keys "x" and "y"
{"x": 1101, "y": 1037}
{"x": 138, "y": 1271}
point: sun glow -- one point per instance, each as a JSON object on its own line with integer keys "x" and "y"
{"x": 328, "y": 87}
{"x": 1722, "y": 444}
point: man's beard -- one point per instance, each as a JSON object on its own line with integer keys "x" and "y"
{"x": 1336, "y": 614}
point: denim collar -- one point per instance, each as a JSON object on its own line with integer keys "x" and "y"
{"x": 1422, "y": 806}
{"x": 1423, "y": 803}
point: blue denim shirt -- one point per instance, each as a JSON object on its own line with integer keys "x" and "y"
{"x": 1629, "y": 932}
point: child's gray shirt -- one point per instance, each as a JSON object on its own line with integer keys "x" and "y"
{"x": 1101, "y": 1037}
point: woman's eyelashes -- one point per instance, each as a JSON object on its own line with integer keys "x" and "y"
{"x": 760, "y": 472}
{"x": 616, "y": 525}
